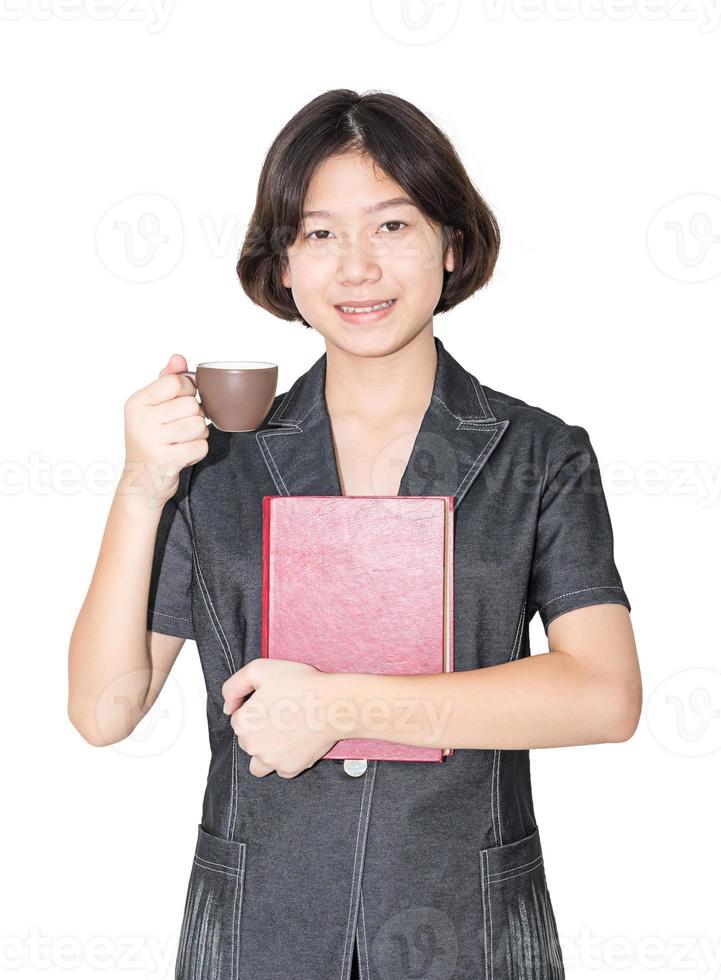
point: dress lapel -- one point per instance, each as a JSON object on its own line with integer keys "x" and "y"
{"x": 456, "y": 438}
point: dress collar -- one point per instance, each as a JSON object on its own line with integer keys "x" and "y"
{"x": 457, "y": 435}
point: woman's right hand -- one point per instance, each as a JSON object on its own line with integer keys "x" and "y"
{"x": 165, "y": 431}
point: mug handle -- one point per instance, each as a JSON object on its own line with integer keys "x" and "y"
{"x": 191, "y": 375}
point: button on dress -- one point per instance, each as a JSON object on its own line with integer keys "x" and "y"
{"x": 432, "y": 870}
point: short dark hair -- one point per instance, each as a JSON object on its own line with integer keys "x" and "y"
{"x": 408, "y": 147}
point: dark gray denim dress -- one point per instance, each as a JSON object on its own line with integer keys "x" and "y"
{"x": 434, "y": 870}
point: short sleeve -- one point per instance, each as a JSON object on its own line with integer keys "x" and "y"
{"x": 573, "y": 561}
{"x": 170, "y": 597}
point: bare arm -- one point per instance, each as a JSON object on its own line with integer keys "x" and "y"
{"x": 585, "y": 690}
{"x": 116, "y": 666}
{"x": 114, "y": 661}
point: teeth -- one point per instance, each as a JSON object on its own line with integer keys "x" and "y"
{"x": 366, "y": 309}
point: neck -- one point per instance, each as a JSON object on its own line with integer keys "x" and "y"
{"x": 380, "y": 390}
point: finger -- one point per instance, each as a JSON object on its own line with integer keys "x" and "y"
{"x": 178, "y": 408}
{"x": 236, "y": 688}
{"x": 165, "y": 388}
{"x": 176, "y": 363}
{"x": 186, "y": 430}
{"x": 257, "y": 768}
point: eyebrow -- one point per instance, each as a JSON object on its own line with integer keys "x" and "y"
{"x": 378, "y": 206}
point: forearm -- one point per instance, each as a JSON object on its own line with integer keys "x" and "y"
{"x": 543, "y": 701}
{"x": 109, "y": 666}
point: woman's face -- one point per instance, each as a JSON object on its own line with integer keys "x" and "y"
{"x": 352, "y": 253}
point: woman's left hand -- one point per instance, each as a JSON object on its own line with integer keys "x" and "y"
{"x": 284, "y": 726}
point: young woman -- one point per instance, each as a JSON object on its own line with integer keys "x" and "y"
{"x": 302, "y": 870}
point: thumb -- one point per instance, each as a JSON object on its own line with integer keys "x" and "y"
{"x": 235, "y": 689}
{"x": 176, "y": 364}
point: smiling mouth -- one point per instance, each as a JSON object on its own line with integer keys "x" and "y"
{"x": 383, "y": 305}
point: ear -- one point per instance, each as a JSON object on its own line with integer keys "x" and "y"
{"x": 285, "y": 273}
{"x": 449, "y": 262}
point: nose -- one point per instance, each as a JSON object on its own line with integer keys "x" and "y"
{"x": 357, "y": 262}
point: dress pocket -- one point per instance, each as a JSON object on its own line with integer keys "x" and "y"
{"x": 209, "y": 945}
{"x": 519, "y": 938}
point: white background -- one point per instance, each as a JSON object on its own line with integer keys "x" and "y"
{"x": 592, "y": 131}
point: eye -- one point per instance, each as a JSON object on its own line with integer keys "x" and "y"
{"x": 395, "y": 223}
{"x": 324, "y": 232}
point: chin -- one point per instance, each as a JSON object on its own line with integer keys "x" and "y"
{"x": 378, "y": 345}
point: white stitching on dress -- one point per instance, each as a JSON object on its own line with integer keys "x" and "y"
{"x": 269, "y": 456}
{"x": 352, "y": 884}
{"x": 227, "y": 652}
{"x": 318, "y": 399}
{"x": 487, "y": 933}
{"x": 481, "y": 396}
{"x": 222, "y": 869}
{"x": 209, "y": 606}
{"x": 233, "y": 784}
{"x": 279, "y": 410}
{"x": 504, "y": 876}
{"x": 238, "y": 873}
{"x": 490, "y": 445}
{"x": 365, "y": 943}
{"x": 460, "y": 418}
{"x": 483, "y": 905}
{"x": 217, "y": 864}
{"x": 490, "y": 921}
{"x": 355, "y": 858}
{"x": 156, "y": 612}
{"x": 370, "y": 798}
{"x": 593, "y": 588}
{"x": 276, "y": 417}
{"x": 185, "y": 924}
{"x": 495, "y": 796}
{"x": 521, "y": 868}
{"x": 238, "y": 905}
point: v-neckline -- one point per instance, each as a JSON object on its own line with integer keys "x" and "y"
{"x": 337, "y": 469}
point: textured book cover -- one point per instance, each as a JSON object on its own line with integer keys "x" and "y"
{"x": 361, "y": 584}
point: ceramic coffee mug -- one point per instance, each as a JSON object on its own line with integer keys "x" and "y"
{"x": 235, "y": 395}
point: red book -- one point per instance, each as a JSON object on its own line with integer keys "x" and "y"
{"x": 355, "y": 584}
